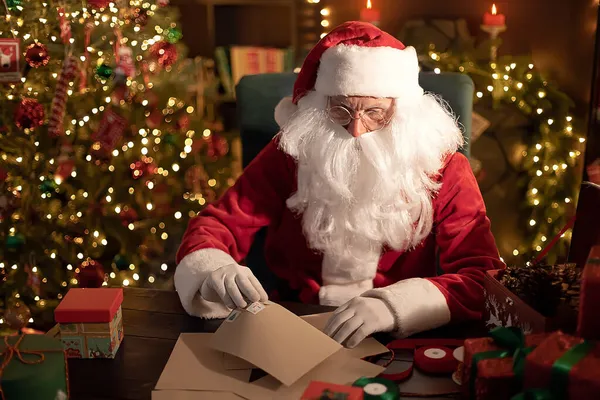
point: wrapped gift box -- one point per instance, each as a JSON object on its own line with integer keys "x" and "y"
{"x": 42, "y": 376}
{"x": 504, "y": 308}
{"x": 580, "y": 364}
{"x": 495, "y": 378}
{"x": 90, "y": 322}
{"x": 317, "y": 390}
{"x": 588, "y": 324}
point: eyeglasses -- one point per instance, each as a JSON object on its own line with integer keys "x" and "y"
{"x": 373, "y": 119}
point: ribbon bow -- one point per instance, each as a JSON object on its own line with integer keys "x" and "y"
{"x": 512, "y": 340}
{"x": 13, "y": 349}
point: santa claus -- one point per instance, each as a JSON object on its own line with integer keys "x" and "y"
{"x": 367, "y": 203}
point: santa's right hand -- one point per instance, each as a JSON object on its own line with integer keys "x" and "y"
{"x": 233, "y": 285}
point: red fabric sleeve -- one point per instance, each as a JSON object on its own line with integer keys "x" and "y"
{"x": 464, "y": 239}
{"x": 256, "y": 199}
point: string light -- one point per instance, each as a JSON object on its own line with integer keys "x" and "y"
{"x": 545, "y": 161}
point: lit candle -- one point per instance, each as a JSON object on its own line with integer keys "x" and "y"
{"x": 370, "y": 14}
{"x": 493, "y": 18}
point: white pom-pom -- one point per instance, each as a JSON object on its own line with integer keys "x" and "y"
{"x": 284, "y": 110}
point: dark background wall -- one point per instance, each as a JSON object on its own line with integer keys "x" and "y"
{"x": 559, "y": 34}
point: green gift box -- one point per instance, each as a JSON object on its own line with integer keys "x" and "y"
{"x": 90, "y": 322}
{"x": 34, "y": 367}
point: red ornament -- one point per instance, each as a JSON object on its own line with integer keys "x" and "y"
{"x": 97, "y": 4}
{"x": 29, "y": 114}
{"x": 183, "y": 123}
{"x": 128, "y": 216}
{"x": 143, "y": 167}
{"x": 140, "y": 16}
{"x": 3, "y": 174}
{"x": 37, "y": 55}
{"x": 90, "y": 274}
{"x": 162, "y": 3}
{"x": 154, "y": 119}
{"x": 165, "y": 53}
{"x": 218, "y": 147}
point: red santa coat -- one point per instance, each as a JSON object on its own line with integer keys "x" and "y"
{"x": 419, "y": 298}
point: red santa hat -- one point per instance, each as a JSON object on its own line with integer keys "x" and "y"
{"x": 356, "y": 59}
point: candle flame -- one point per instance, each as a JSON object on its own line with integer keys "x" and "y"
{"x": 369, "y": 5}
{"x": 494, "y": 11}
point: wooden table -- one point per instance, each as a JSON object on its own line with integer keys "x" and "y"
{"x": 153, "y": 320}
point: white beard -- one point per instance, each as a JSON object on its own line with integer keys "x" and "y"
{"x": 360, "y": 194}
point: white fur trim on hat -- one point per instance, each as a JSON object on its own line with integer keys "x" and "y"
{"x": 417, "y": 303}
{"x": 352, "y": 70}
{"x": 284, "y": 110}
{"x": 189, "y": 276}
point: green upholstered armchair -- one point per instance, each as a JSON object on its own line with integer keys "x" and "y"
{"x": 257, "y": 96}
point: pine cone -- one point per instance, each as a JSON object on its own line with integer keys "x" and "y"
{"x": 544, "y": 287}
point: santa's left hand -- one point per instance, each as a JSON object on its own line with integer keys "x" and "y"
{"x": 352, "y": 322}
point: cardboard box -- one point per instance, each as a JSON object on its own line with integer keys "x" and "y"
{"x": 90, "y": 322}
{"x": 290, "y": 349}
{"x": 504, "y": 308}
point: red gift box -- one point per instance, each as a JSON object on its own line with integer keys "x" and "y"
{"x": 588, "y": 323}
{"x": 495, "y": 378}
{"x": 90, "y": 322}
{"x": 322, "y": 390}
{"x": 578, "y": 359}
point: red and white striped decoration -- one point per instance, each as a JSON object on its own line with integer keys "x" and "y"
{"x": 59, "y": 102}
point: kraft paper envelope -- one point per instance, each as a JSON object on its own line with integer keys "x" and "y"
{"x": 196, "y": 367}
{"x": 196, "y": 371}
{"x": 274, "y": 340}
{"x": 193, "y": 395}
{"x": 341, "y": 368}
{"x": 368, "y": 347}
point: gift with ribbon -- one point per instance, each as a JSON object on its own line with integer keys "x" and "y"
{"x": 494, "y": 365}
{"x": 588, "y": 323}
{"x": 562, "y": 367}
{"x": 33, "y": 367}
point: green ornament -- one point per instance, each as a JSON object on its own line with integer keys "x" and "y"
{"x": 121, "y": 262}
{"x": 171, "y": 139}
{"x": 173, "y": 35}
{"x": 13, "y": 4}
{"x": 48, "y": 186}
{"x": 104, "y": 71}
{"x": 13, "y": 242}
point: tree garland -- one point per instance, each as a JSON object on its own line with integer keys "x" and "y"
{"x": 549, "y": 166}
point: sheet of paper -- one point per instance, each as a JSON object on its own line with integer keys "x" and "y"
{"x": 368, "y": 347}
{"x": 193, "y": 395}
{"x": 340, "y": 368}
{"x": 276, "y": 341}
{"x": 233, "y": 362}
{"x": 196, "y": 367}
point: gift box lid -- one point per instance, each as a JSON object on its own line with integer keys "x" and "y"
{"x": 89, "y": 305}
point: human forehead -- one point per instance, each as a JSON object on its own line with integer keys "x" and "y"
{"x": 361, "y": 102}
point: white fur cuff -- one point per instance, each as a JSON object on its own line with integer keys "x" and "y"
{"x": 189, "y": 276}
{"x": 418, "y": 305}
{"x": 336, "y": 295}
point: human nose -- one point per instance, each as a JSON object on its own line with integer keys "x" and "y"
{"x": 356, "y": 127}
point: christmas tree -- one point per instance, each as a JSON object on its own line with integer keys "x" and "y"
{"x": 102, "y": 157}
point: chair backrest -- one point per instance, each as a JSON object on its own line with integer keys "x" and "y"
{"x": 257, "y": 96}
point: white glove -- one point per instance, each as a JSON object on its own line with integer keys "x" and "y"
{"x": 232, "y": 285}
{"x": 360, "y": 317}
